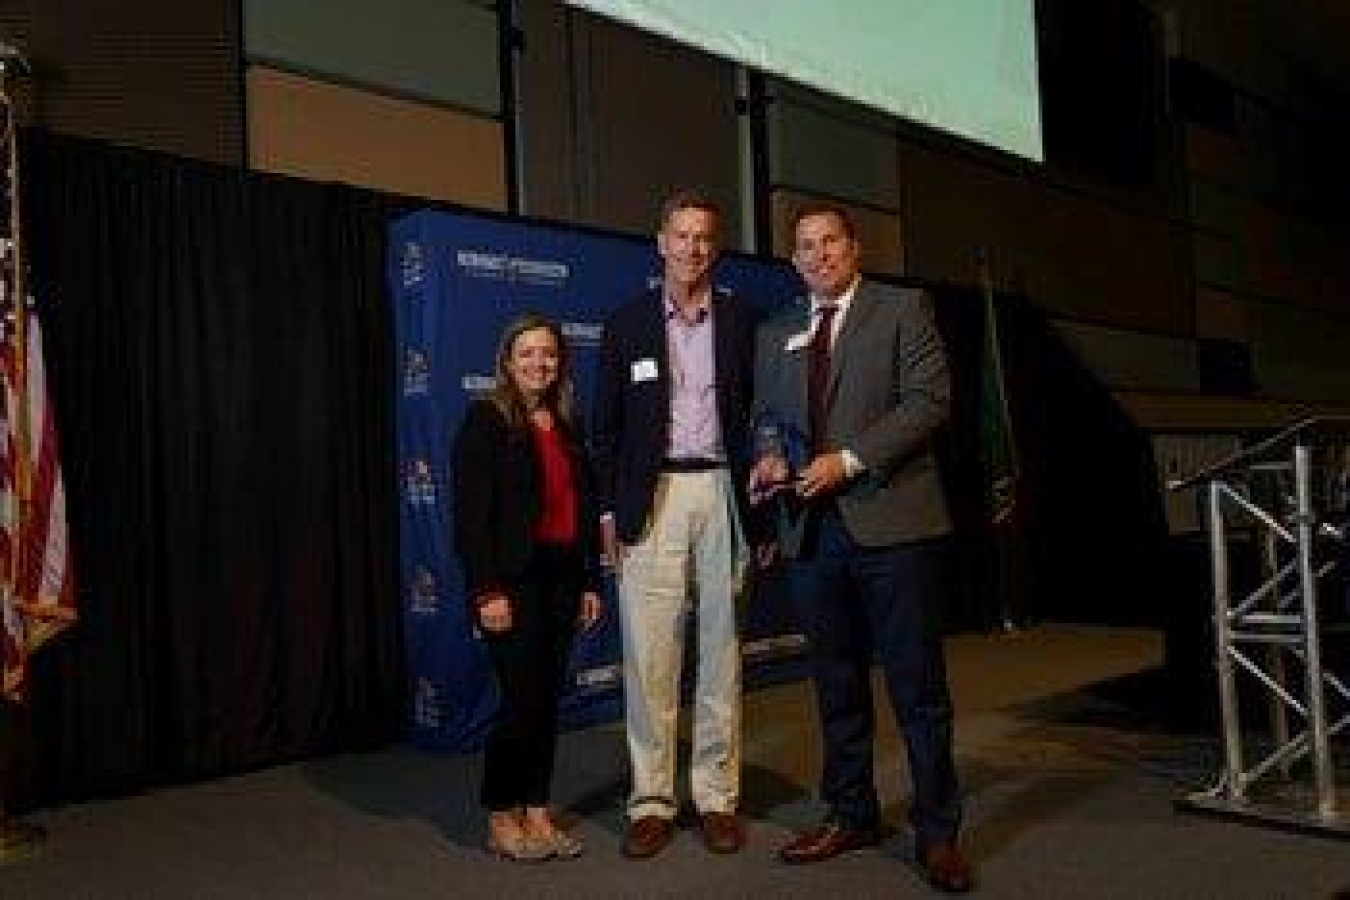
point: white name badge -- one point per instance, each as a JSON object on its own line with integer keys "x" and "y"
{"x": 644, "y": 370}
{"x": 797, "y": 342}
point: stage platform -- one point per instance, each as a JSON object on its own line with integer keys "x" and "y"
{"x": 1065, "y": 745}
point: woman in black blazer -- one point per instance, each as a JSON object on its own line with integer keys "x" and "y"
{"x": 527, "y": 534}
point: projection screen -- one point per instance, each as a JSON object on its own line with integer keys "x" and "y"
{"x": 967, "y": 67}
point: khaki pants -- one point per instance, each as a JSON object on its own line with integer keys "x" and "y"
{"x": 693, "y": 536}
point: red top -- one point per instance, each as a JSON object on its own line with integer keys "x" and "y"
{"x": 558, "y": 521}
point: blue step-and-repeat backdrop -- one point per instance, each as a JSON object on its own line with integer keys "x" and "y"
{"x": 457, "y": 279}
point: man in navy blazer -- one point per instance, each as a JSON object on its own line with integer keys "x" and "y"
{"x": 861, "y": 372}
{"x": 672, "y": 402}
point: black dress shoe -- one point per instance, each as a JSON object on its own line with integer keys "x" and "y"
{"x": 945, "y": 868}
{"x": 826, "y": 841}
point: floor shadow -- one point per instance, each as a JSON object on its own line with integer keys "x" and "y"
{"x": 405, "y": 782}
{"x": 1066, "y": 746}
{"x": 590, "y": 784}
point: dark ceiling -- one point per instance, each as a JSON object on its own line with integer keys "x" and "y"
{"x": 1314, "y": 35}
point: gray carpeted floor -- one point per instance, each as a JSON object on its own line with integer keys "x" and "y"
{"x": 1070, "y": 793}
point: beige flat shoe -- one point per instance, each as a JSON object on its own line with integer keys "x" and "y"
{"x": 519, "y": 848}
{"x": 564, "y": 845}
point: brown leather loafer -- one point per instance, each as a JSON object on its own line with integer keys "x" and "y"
{"x": 946, "y": 869}
{"x": 647, "y": 836}
{"x": 824, "y": 842}
{"x": 722, "y": 832}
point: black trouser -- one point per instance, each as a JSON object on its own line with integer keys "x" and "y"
{"x": 530, "y": 659}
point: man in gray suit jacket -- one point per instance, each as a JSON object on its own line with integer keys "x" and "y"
{"x": 861, "y": 376}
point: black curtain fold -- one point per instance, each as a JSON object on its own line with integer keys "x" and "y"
{"x": 220, "y": 357}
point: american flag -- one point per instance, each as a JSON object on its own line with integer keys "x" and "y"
{"x": 37, "y": 590}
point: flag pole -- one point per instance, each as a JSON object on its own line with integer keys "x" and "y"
{"x": 998, "y": 446}
{"x": 18, "y": 840}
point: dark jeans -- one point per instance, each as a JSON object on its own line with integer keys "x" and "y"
{"x": 853, "y": 601}
{"x": 530, "y": 659}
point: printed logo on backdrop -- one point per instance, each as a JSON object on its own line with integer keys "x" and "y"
{"x": 419, "y": 484}
{"x": 517, "y": 269}
{"x": 477, "y": 384}
{"x": 428, "y": 705}
{"x": 583, "y": 334}
{"x": 416, "y": 373}
{"x": 412, "y": 264}
{"x": 423, "y": 596}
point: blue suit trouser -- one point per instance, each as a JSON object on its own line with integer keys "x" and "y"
{"x": 854, "y": 602}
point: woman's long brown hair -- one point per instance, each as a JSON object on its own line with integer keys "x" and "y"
{"x": 558, "y": 399}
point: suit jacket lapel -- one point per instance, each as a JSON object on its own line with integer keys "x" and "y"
{"x": 797, "y": 360}
{"x": 660, "y": 346}
{"x": 723, "y": 337}
{"x": 855, "y": 323}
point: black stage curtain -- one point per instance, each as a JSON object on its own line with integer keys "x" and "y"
{"x": 219, "y": 353}
{"x": 1091, "y": 540}
{"x": 975, "y": 599}
{"x": 1088, "y": 538}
